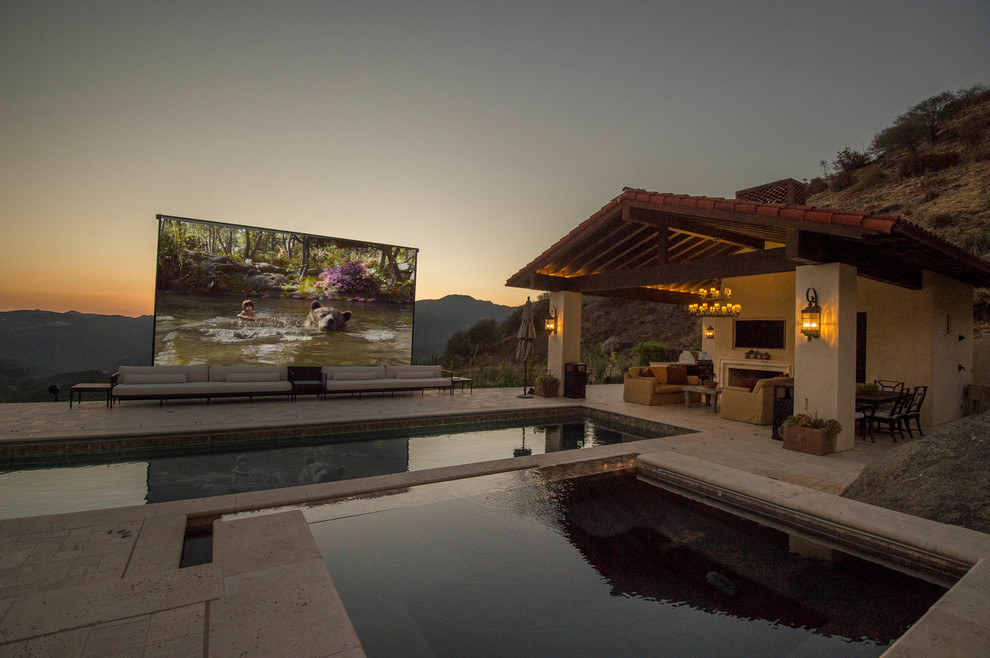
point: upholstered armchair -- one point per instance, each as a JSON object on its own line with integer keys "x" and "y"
{"x": 754, "y": 406}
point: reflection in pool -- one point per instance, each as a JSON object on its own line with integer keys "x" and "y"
{"x": 596, "y": 566}
{"x": 191, "y": 330}
{"x": 232, "y": 469}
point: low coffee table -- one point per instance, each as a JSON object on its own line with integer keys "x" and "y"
{"x": 711, "y": 395}
{"x": 78, "y": 389}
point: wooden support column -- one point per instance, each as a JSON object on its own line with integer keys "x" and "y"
{"x": 565, "y": 346}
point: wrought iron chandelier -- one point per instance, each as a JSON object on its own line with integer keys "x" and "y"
{"x": 715, "y": 303}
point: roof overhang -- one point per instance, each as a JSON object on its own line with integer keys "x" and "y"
{"x": 665, "y": 247}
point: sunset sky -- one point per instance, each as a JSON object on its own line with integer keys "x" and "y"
{"x": 479, "y": 132}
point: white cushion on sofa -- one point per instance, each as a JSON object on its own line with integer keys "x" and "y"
{"x": 173, "y": 378}
{"x": 252, "y": 377}
{"x": 355, "y": 375}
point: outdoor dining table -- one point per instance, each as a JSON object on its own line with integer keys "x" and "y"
{"x": 870, "y": 402}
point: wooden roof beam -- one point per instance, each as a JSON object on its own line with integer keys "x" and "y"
{"x": 748, "y": 264}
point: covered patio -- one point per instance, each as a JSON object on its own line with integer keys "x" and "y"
{"x": 896, "y": 301}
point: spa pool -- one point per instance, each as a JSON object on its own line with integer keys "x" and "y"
{"x": 522, "y": 564}
{"x": 179, "y": 473}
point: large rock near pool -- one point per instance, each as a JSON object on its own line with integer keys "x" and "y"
{"x": 944, "y": 477}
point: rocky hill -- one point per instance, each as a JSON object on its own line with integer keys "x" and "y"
{"x": 931, "y": 166}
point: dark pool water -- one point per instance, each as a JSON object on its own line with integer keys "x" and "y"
{"x": 238, "y": 469}
{"x": 599, "y": 566}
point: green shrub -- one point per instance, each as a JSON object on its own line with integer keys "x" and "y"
{"x": 849, "y": 159}
{"x": 841, "y": 181}
{"x": 915, "y": 164}
{"x": 816, "y": 186}
{"x": 648, "y": 351}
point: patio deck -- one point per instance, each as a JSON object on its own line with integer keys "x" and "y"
{"x": 104, "y": 582}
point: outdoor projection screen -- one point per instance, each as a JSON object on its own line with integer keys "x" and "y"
{"x": 208, "y": 270}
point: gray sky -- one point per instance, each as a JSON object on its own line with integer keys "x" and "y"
{"x": 478, "y": 132}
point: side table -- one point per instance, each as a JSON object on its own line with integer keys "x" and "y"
{"x": 454, "y": 381}
{"x": 75, "y": 393}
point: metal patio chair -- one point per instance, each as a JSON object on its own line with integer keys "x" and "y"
{"x": 913, "y": 410}
{"x": 893, "y": 416}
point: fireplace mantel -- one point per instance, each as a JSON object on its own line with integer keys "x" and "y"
{"x": 750, "y": 364}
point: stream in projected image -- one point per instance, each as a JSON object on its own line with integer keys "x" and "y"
{"x": 192, "y": 330}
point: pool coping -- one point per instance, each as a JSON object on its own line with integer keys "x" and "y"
{"x": 55, "y": 451}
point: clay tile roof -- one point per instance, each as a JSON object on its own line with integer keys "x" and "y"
{"x": 866, "y": 220}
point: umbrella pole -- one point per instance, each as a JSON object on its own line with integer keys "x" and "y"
{"x": 525, "y": 371}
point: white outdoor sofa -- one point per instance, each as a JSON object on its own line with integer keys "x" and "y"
{"x": 183, "y": 382}
{"x": 174, "y": 382}
{"x": 385, "y": 379}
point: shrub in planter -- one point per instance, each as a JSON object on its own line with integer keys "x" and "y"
{"x": 546, "y": 386}
{"x": 810, "y": 434}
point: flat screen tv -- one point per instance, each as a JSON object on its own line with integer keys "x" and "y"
{"x": 229, "y": 295}
{"x": 761, "y": 334}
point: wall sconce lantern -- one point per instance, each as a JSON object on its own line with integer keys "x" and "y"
{"x": 709, "y": 331}
{"x": 811, "y": 316}
{"x": 550, "y": 324}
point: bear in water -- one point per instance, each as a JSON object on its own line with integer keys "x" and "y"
{"x": 327, "y": 319}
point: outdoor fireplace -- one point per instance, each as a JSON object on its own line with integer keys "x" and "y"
{"x": 746, "y": 372}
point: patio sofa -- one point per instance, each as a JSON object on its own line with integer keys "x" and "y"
{"x": 176, "y": 382}
{"x": 658, "y": 384}
{"x": 384, "y": 379}
{"x": 751, "y": 406}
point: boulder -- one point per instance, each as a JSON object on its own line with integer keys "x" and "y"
{"x": 267, "y": 282}
{"x": 944, "y": 477}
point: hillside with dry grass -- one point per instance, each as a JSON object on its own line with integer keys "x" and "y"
{"x": 940, "y": 183}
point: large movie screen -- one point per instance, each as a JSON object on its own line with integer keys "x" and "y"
{"x": 237, "y": 295}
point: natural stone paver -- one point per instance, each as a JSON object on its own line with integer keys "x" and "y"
{"x": 311, "y": 619}
{"x": 105, "y": 601}
{"x": 71, "y": 582}
{"x": 118, "y": 638}
{"x": 261, "y": 542}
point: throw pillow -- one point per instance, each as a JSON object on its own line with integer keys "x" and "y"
{"x": 677, "y": 376}
{"x": 646, "y": 372}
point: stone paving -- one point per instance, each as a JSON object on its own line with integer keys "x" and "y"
{"x": 108, "y": 582}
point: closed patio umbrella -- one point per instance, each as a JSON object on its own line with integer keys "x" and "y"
{"x": 524, "y": 342}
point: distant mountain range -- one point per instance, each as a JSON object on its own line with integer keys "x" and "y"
{"x": 41, "y": 348}
{"x": 438, "y": 319}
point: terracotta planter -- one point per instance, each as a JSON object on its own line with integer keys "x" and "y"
{"x": 808, "y": 440}
{"x": 546, "y": 389}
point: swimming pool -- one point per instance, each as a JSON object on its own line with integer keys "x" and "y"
{"x": 231, "y": 468}
{"x": 601, "y": 565}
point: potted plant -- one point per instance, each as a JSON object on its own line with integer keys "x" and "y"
{"x": 546, "y": 385}
{"x": 867, "y": 389}
{"x": 810, "y": 434}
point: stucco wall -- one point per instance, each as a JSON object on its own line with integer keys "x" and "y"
{"x": 767, "y": 297}
{"x": 913, "y": 337}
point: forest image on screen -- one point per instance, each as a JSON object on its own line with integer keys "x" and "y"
{"x": 236, "y": 295}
